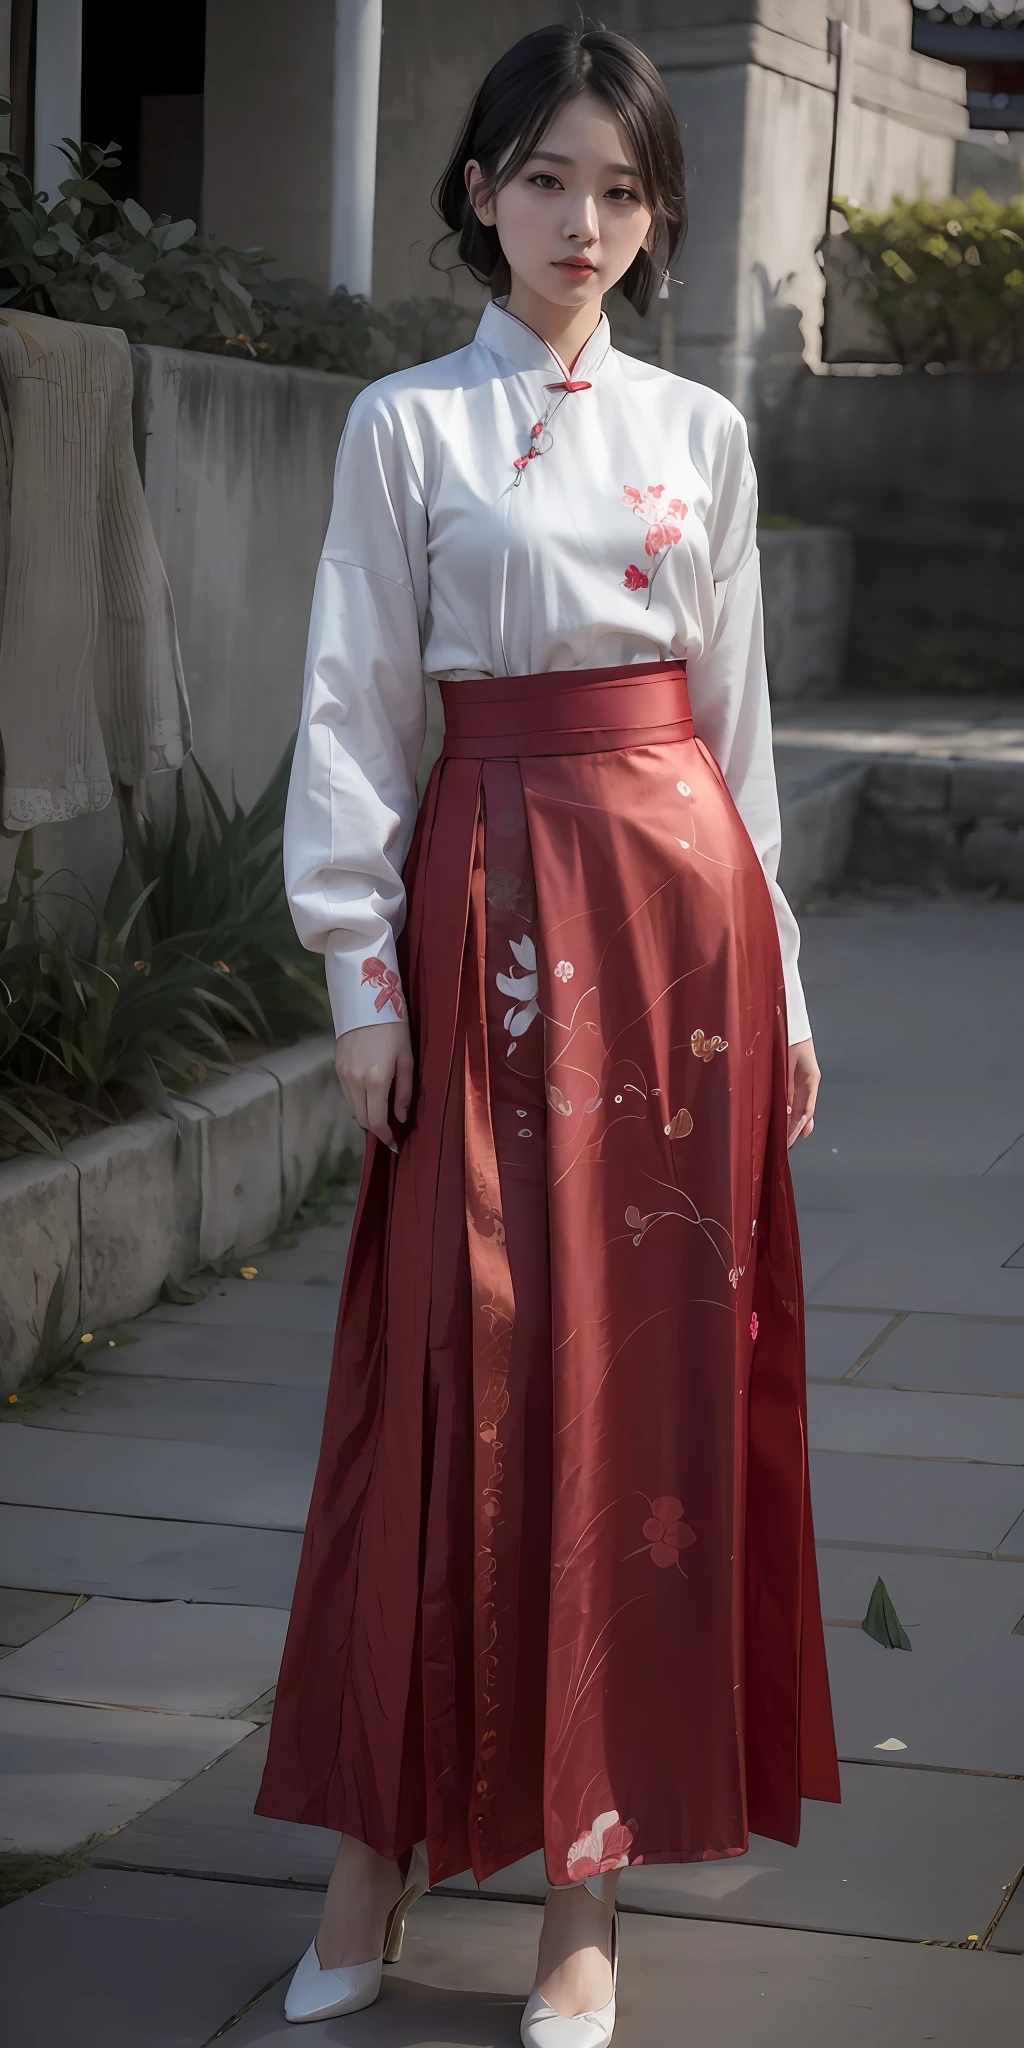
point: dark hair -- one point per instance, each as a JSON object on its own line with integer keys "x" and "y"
{"x": 516, "y": 104}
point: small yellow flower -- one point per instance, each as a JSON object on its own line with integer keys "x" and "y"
{"x": 112, "y": 1343}
{"x": 86, "y": 1337}
{"x": 248, "y": 1272}
{"x": 12, "y": 1397}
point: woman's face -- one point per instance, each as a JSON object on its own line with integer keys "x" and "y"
{"x": 572, "y": 220}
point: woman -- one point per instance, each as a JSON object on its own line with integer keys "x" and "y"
{"x": 558, "y": 1586}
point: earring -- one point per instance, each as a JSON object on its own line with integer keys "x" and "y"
{"x": 666, "y": 280}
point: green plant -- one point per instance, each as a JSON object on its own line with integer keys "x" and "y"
{"x": 946, "y": 278}
{"x": 193, "y": 952}
{"x": 214, "y": 888}
{"x": 87, "y": 1030}
{"x": 104, "y": 261}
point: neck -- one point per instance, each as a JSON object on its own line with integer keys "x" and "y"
{"x": 566, "y": 329}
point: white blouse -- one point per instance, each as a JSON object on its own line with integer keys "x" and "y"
{"x": 498, "y": 515}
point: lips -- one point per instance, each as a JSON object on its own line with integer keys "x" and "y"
{"x": 578, "y": 269}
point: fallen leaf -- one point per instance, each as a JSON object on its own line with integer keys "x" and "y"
{"x": 882, "y": 1623}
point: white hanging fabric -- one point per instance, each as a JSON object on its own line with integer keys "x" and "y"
{"x": 91, "y": 679}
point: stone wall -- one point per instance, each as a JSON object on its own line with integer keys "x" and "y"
{"x": 238, "y": 464}
{"x": 917, "y": 469}
{"x": 753, "y": 86}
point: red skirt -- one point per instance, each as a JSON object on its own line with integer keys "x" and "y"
{"x": 558, "y": 1586}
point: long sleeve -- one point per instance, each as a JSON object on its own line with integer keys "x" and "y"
{"x": 352, "y": 794}
{"x": 728, "y": 686}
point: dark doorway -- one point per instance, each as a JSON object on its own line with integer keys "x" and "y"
{"x": 142, "y": 87}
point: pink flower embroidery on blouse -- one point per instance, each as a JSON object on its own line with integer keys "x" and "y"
{"x": 664, "y": 524}
{"x": 386, "y": 980}
{"x": 605, "y": 1846}
{"x": 666, "y": 1532}
{"x": 754, "y": 1324}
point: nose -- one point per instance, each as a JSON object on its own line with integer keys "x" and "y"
{"x": 581, "y": 223}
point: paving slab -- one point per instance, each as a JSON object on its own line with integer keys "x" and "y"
{"x": 131, "y": 1558}
{"x": 1012, "y": 1545}
{"x": 68, "y": 1773}
{"x": 1008, "y": 1937}
{"x": 190, "y": 1411}
{"x": 938, "y": 1243}
{"x": 117, "y": 1959}
{"x": 892, "y": 1124}
{"x": 952, "y": 1354}
{"x": 180, "y": 1482}
{"x": 957, "y": 1697}
{"x": 206, "y": 1351}
{"x": 318, "y": 1257}
{"x": 24, "y": 1615}
{"x": 1011, "y": 1160}
{"x": 913, "y": 1503}
{"x": 837, "y": 1337}
{"x": 467, "y": 1965}
{"x": 826, "y": 1239}
{"x": 855, "y": 1417}
{"x": 174, "y": 1656}
{"x": 257, "y": 1305}
{"x": 910, "y": 1855}
{"x": 209, "y": 1829}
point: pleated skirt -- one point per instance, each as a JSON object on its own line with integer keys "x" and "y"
{"x": 558, "y": 1587}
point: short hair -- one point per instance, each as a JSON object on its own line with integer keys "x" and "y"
{"x": 511, "y": 112}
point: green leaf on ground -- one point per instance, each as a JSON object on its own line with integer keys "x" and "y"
{"x": 882, "y": 1623}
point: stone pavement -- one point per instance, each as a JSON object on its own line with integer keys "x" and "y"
{"x": 171, "y": 1494}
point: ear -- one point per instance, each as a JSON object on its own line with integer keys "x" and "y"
{"x": 482, "y": 207}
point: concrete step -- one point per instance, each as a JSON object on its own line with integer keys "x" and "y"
{"x": 927, "y": 793}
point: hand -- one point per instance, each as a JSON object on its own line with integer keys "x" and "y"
{"x": 369, "y": 1061}
{"x": 804, "y": 1077}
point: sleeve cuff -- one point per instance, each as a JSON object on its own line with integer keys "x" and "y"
{"x": 364, "y": 988}
{"x": 797, "y": 1020}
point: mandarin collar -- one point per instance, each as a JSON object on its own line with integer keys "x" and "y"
{"x": 510, "y": 338}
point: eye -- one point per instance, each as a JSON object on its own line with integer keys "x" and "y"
{"x": 546, "y": 180}
{"x": 624, "y": 192}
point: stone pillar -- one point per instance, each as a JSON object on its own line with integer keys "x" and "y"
{"x": 58, "y": 89}
{"x": 754, "y": 87}
{"x": 357, "y": 34}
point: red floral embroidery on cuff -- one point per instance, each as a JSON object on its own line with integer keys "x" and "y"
{"x": 376, "y": 975}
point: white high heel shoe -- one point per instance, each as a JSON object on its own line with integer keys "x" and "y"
{"x": 542, "y": 2027}
{"x": 318, "y": 1994}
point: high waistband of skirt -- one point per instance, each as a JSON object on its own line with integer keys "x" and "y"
{"x": 567, "y": 711}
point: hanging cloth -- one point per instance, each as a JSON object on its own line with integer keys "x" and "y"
{"x": 91, "y": 679}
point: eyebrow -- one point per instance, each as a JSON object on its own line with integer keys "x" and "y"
{"x": 549, "y": 157}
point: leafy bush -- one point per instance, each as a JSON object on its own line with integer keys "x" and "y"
{"x": 193, "y": 955}
{"x": 946, "y": 278}
{"x": 103, "y": 261}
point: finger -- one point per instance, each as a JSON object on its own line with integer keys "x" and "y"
{"x": 355, "y": 1097}
{"x": 403, "y": 1086}
{"x": 377, "y": 1113}
{"x": 795, "y": 1131}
